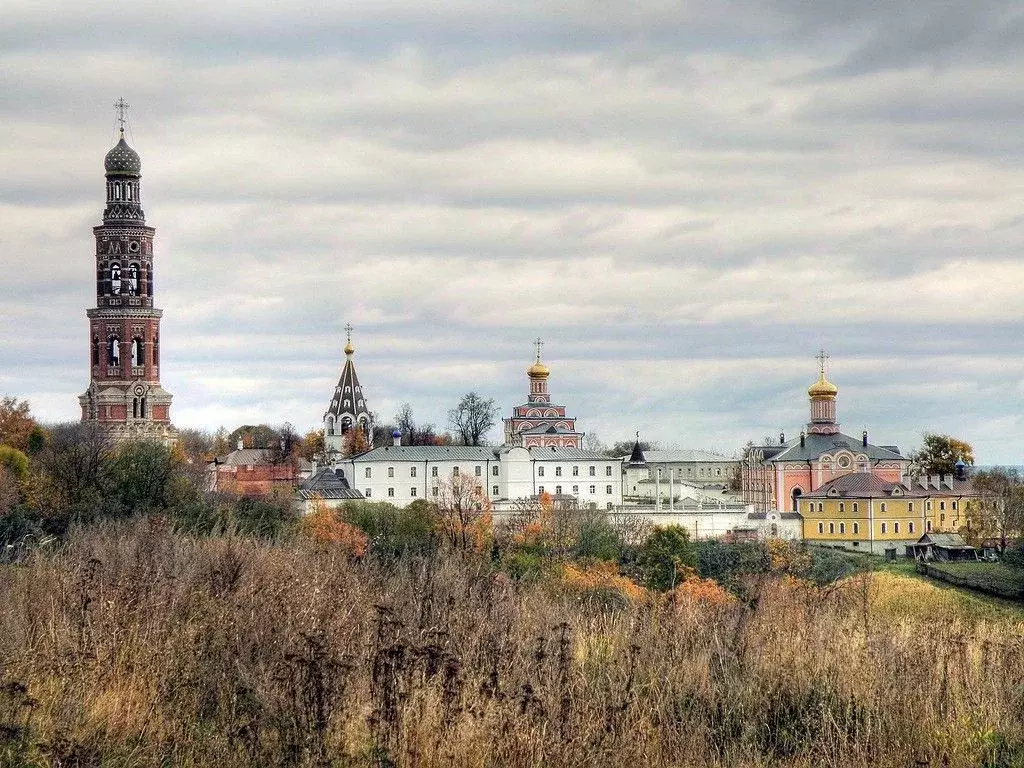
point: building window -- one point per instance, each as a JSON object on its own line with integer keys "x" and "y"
{"x": 391, "y": 491}
{"x": 942, "y": 505}
{"x": 608, "y": 471}
{"x": 842, "y": 528}
{"x": 412, "y": 491}
{"x": 455, "y": 471}
{"x": 953, "y": 504}
{"x": 368, "y": 493}
{"x": 608, "y": 490}
{"x": 494, "y": 471}
{"x": 412, "y": 471}
{"x": 477, "y": 470}
{"x": 855, "y": 506}
{"x": 883, "y": 527}
{"x": 593, "y": 471}
{"x": 910, "y": 506}
{"x": 558, "y": 490}
{"x": 821, "y": 507}
{"x": 540, "y": 489}
{"x": 593, "y": 489}
{"x": 942, "y": 518}
{"x": 821, "y": 527}
{"x": 575, "y": 471}
{"x": 558, "y": 471}
{"x": 928, "y": 526}
{"x": 540, "y": 471}
{"x": 842, "y": 507}
{"x": 433, "y": 471}
{"x": 575, "y": 489}
{"x": 856, "y": 528}
{"x": 494, "y": 490}
{"x": 910, "y": 527}
{"x": 928, "y": 505}
{"x": 434, "y": 489}
{"x": 368, "y": 472}
{"x": 896, "y": 527}
{"x": 883, "y": 506}
{"x": 114, "y": 351}
{"x": 391, "y": 471}
{"x": 831, "y": 528}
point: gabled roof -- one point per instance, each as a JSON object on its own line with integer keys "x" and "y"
{"x": 858, "y": 485}
{"x": 945, "y": 540}
{"x": 428, "y": 453}
{"x": 545, "y": 429}
{"x": 325, "y": 479}
{"x": 684, "y": 456}
{"x": 815, "y": 445}
{"x": 245, "y": 457}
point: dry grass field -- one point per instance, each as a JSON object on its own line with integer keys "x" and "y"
{"x": 132, "y": 646}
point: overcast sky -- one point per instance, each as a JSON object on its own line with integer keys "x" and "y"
{"x": 685, "y": 200}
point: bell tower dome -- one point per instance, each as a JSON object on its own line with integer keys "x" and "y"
{"x": 823, "y": 402}
{"x": 124, "y": 394}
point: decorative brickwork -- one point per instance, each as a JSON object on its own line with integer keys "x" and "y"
{"x": 124, "y": 393}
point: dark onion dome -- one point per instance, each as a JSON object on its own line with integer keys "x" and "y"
{"x": 122, "y": 159}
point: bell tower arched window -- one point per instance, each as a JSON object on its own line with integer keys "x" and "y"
{"x": 115, "y": 279}
{"x": 156, "y": 350}
{"x": 133, "y": 279}
{"x": 138, "y": 356}
{"x": 114, "y": 351}
{"x": 95, "y": 350}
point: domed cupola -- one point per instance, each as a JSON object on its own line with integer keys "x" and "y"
{"x": 122, "y": 159}
{"x": 823, "y": 402}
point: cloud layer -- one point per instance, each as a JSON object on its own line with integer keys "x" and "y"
{"x": 685, "y": 202}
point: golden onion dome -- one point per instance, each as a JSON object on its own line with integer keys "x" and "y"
{"x": 823, "y": 388}
{"x": 349, "y": 349}
{"x": 538, "y": 370}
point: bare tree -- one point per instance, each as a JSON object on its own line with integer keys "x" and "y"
{"x": 464, "y": 512}
{"x": 472, "y": 418}
{"x": 74, "y": 459}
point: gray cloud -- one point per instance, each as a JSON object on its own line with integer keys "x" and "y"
{"x": 685, "y": 202}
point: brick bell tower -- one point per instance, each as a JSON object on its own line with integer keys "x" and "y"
{"x": 124, "y": 394}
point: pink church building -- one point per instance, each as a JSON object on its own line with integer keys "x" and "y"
{"x": 539, "y": 423}
{"x": 774, "y": 477}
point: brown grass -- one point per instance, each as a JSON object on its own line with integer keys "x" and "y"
{"x": 135, "y": 647}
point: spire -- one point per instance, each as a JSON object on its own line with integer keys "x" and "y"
{"x": 349, "y": 349}
{"x": 637, "y": 458}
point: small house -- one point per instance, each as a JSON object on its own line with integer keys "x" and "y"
{"x": 942, "y": 546}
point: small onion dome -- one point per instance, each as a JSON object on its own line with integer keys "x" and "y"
{"x": 122, "y": 159}
{"x": 349, "y": 349}
{"x": 396, "y": 433}
{"x": 823, "y": 388}
{"x": 538, "y": 370}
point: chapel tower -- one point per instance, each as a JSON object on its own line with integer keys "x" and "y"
{"x": 348, "y": 414}
{"x": 823, "y": 402}
{"x": 124, "y": 394}
{"x": 538, "y": 423}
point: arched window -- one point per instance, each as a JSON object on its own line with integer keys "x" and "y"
{"x": 113, "y": 351}
{"x": 149, "y": 282}
{"x": 797, "y": 493}
{"x": 135, "y": 407}
{"x": 330, "y": 425}
{"x": 138, "y": 356}
{"x": 142, "y": 407}
{"x": 133, "y": 279}
{"x": 95, "y": 350}
{"x": 156, "y": 350}
{"x": 115, "y": 279}
{"x": 831, "y": 528}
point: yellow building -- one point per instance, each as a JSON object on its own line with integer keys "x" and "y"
{"x": 862, "y": 512}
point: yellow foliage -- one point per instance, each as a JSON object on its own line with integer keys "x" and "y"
{"x": 787, "y": 558}
{"x": 601, "y": 577}
{"x": 706, "y": 591}
{"x": 324, "y": 526}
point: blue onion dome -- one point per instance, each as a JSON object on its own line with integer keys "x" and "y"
{"x": 122, "y": 159}
{"x": 396, "y": 433}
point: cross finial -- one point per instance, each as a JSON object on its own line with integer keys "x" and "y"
{"x": 121, "y": 106}
{"x": 821, "y": 357}
{"x": 348, "y": 332}
{"x": 537, "y": 345}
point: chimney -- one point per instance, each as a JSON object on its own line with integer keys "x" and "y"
{"x": 864, "y": 438}
{"x": 240, "y": 445}
{"x": 803, "y": 439}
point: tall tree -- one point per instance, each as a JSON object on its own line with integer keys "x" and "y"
{"x": 938, "y": 454}
{"x": 998, "y": 512}
{"x": 472, "y": 418}
{"x": 413, "y": 433}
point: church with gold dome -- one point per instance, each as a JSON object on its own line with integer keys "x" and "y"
{"x": 539, "y": 423}
{"x": 775, "y": 476}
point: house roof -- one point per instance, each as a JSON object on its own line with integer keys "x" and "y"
{"x": 554, "y": 452}
{"x": 325, "y": 479}
{"x": 428, "y": 453}
{"x": 815, "y": 445}
{"x": 684, "y": 456}
{"x": 245, "y": 457}
{"x": 864, "y": 485}
{"x": 546, "y": 429}
{"x": 329, "y": 494}
{"x": 945, "y": 540}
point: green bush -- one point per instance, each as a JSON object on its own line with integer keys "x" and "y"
{"x": 663, "y": 555}
{"x": 393, "y": 531}
{"x": 728, "y": 563}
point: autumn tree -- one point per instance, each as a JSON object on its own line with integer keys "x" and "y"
{"x": 253, "y": 436}
{"x": 666, "y": 557}
{"x": 938, "y": 454}
{"x": 313, "y": 444}
{"x": 473, "y": 418}
{"x": 413, "y": 433}
{"x": 998, "y": 510}
{"x": 464, "y": 513}
{"x": 354, "y": 442}
{"x": 73, "y": 461}
{"x": 16, "y": 423}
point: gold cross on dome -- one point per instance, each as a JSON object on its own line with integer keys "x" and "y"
{"x": 537, "y": 345}
{"x": 821, "y": 357}
{"x": 348, "y": 332}
{"x": 121, "y": 106}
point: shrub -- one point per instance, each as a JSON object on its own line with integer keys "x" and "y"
{"x": 663, "y": 556}
{"x": 393, "y": 531}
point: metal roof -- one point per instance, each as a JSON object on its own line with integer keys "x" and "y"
{"x": 554, "y": 452}
{"x": 684, "y": 456}
{"x": 428, "y": 453}
{"x": 815, "y": 445}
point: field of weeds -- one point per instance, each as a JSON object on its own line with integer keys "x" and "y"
{"x": 133, "y": 646}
